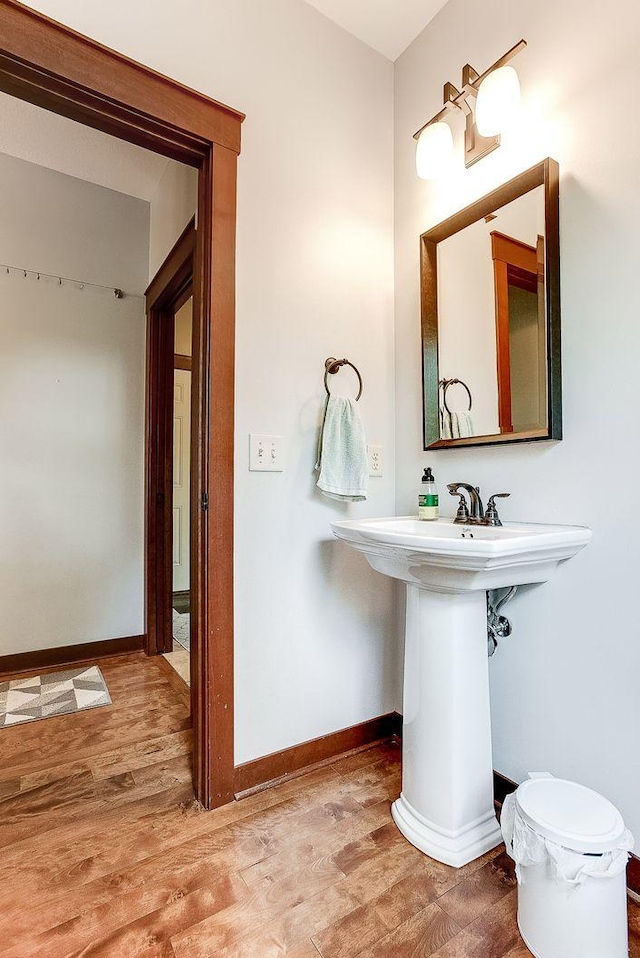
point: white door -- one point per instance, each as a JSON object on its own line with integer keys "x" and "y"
{"x": 181, "y": 476}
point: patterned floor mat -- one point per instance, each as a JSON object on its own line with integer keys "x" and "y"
{"x": 57, "y": 693}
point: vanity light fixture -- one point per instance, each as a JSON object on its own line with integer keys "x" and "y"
{"x": 488, "y": 100}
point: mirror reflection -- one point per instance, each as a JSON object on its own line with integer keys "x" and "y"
{"x": 491, "y": 323}
{"x": 487, "y": 319}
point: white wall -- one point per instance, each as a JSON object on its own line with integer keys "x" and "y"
{"x": 173, "y": 203}
{"x": 183, "y": 332}
{"x": 315, "y": 629}
{"x": 565, "y": 686}
{"x": 72, "y": 394}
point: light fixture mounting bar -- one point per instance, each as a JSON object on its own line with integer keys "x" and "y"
{"x": 502, "y": 61}
{"x": 471, "y": 83}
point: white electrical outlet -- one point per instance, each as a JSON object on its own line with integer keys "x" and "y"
{"x": 375, "y": 460}
{"x": 265, "y": 453}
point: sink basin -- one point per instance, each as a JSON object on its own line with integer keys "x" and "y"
{"x": 446, "y": 556}
{"x": 446, "y": 806}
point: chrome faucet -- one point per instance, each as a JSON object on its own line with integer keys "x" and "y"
{"x": 474, "y": 514}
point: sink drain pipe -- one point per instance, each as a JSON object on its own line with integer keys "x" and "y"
{"x": 498, "y": 626}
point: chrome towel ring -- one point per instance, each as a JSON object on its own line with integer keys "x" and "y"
{"x": 445, "y": 383}
{"x": 332, "y": 365}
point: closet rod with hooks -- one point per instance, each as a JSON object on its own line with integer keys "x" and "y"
{"x": 80, "y": 283}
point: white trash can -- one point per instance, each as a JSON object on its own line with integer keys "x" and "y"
{"x": 571, "y": 849}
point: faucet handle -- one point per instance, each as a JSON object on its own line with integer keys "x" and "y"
{"x": 462, "y": 515}
{"x": 491, "y": 515}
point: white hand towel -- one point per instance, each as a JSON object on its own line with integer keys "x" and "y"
{"x": 342, "y": 452}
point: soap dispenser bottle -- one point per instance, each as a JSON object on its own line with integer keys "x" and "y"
{"x": 428, "y": 497}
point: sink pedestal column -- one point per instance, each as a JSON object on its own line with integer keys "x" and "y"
{"x": 446, "y": 806}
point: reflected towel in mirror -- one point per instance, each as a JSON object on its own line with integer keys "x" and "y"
{"x": 456, "y": 425}
{"x": 342, "y": 452}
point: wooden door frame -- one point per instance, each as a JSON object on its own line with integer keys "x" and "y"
{"x": 52, "y": 66}
{"x": 169, "y": 289}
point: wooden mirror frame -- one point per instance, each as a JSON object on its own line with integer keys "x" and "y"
{"x": 52, "y": 66}
{"x": 544, "y": 174}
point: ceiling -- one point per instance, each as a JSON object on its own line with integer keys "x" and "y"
{"x": 389, "y": 26}
{"x": 30, "y": 133}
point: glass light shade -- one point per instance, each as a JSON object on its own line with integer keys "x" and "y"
{"x": 498, "y": 101}
{"x": 434, "y": 150}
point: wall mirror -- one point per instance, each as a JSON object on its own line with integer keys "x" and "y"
{"x": 490, "y": 290}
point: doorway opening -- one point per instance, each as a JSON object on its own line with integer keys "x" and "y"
{"x": 51, "y": 66}
{"x": 179, "y": 657}
{"x": 172, "y": 460}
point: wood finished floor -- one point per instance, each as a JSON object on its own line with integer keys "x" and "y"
{"x": 105, "y": 853}
{"x": 180, "y": 661}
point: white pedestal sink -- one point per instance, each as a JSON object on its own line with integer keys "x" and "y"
{"x": 446, "y": 806}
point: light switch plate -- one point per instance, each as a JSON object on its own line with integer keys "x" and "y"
{"x": 265, "y": 453}
{"x": 375, "y": 460}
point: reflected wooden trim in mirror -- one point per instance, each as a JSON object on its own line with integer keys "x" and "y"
{"x": 525, "y": 277}
{"x": 516, "y": 266}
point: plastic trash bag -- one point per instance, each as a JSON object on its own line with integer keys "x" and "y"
{"x": 526, "y": 847}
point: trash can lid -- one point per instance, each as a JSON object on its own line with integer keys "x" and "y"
{"x": 570, "y": 815}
